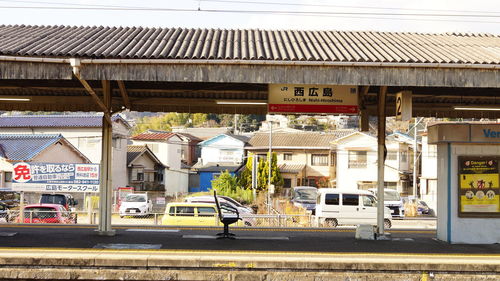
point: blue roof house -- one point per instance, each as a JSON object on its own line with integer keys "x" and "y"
{"x": 218, "y": 154}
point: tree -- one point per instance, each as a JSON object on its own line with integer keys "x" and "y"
{"x": 245, "y": 178}
{"x": 227, "y": 185}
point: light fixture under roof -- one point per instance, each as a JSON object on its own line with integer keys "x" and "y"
{"x": 14, "y": 99}
{"x": 476, "y": 108}
{"x": 241, "y": 102}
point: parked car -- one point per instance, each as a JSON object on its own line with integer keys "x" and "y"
{"x": 348, "y": 207}
{"x": 226, "y": 201}
{"x": 192, "y": 214}
{"x": 393, "y": 201}
{"x": 64, "y": 199}
{"x": 305, "y": 197}
{"x": 47, "y": 213}
{"x": 136, "y": 204}
{"x": 423, "y": 208}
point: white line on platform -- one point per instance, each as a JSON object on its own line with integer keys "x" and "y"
{"x": 152, "y": 230}
{"x": 236, "y": 237}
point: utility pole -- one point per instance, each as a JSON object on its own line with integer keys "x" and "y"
{"x": 269, "y": 160}
{"x": 415, "y": 155}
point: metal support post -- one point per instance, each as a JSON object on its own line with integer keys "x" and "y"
{"x": 255, "y": 161}
{"x": 105, "y": 195}
{"x": 380, "y": 161}
{"x": 269, "y": 160}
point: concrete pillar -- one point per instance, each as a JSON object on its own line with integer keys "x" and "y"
{"x": 105, "y": 190}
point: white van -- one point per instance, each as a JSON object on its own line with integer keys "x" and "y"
{"x": 348, "y": 207}
{"x": 393, "y": 201}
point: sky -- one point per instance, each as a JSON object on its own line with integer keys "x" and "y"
{"x": 479, "y": 16}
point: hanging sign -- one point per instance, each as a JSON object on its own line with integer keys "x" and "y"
{"x": 479, "y": 186}
{"x": 57, "y": 177}
{"x": 403, "y": 106}
{"x": 299, "y": 98}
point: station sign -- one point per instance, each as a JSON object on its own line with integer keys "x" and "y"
{"x": 479, "y": 186}
{"x": 403, "y": 106}
{"x": 55, "y": 177}
{"x": 303, "y": 99}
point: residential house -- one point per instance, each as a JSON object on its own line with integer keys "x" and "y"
{"x": 39, "y": 148}
{"x": 210, "y": 171}
{"x": 218, "y": 154}
{"x": 304, "y": 158}
{"x": 223, "y": 148}
{"x": 357, "y": 163}
{"x": 168, "y": 148}
{"x": 428, "y": 178}
{"x": 82, "y": 131}
{"x": 145, "y": 170}
{"x": 203, "y": 133}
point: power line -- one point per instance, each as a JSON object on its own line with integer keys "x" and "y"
{"x": 342, "y": 6}
{"x": 276, "y": 12}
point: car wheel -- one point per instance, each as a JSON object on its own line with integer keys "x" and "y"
{"x": 331, "y": 223}
{"x": 387, "y": 224}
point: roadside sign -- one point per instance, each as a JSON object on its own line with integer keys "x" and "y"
{"x": 300, "y": 98}
{"x": 403, "y": 106}
{"x": 60, "y": 177}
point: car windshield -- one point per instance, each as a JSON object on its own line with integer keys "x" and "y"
{"x": 53, "y": 199}
{"x": 391, "y": 195}
{"x": 306, "y": 194}
{"x": 135, "y": 198}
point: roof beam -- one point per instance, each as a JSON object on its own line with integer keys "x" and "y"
{"x": 123, "y": 93}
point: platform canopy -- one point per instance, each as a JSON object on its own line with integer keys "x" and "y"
{"x": 191, "y": 70}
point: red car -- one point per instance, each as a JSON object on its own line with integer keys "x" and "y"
{"x": 47, "y": 213}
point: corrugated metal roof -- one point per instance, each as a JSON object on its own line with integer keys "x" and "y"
{"x": 291, "y": 168}
{"x": 55, "y": 121}
{"x": 248, "y": 44}
{"x": 25, "y": 147}
{"x": 307, "y": 140}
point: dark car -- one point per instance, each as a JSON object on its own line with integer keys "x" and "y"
{"x": 305, "y": 197}
{"x": 64, "y": 199}
{"x": 422, "y": 208}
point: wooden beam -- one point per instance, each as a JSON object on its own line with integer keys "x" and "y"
{"x": 97, "y": 100}
{"x": 364, "y": 117}
{"x": 123, "y": 93}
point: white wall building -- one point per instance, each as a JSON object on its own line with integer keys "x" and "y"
{"x": 357, "y": 162}
{"x": 428, "y": 179}
{"x": 168, "y": 147}
{"x": 223, "y": 148}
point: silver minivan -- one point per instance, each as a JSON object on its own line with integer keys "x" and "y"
{"x": 348, "y": 207}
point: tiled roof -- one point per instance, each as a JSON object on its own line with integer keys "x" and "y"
{"x": 55, "y": 121}
{"x": 191, "y": 137}
{"x": 25, "y": 147}
{"x": 203, "y": 133}
{"x": 153, "y": 136}
{"x": 248, "y": 44}
{"x": 217, "y": 167}
{"x": 291, "y": 168}
{"x": 305, "y": 140}
{"x": 134, "y": 151}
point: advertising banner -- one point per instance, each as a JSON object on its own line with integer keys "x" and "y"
{"x": 55, "y": 177}
{"x": 479, "y": 190}
{"x": 298, "y": 98}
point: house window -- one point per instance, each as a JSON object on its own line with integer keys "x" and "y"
{"x": 357, "y": 159}
{"x": 287, "y": 183}
{"x": 287, "y": 156}
{"x": 8, "y": 176}
{"x": 392, "y": 155}
{"x": 319, "y": 159}
{"x": 117, "y": 143}
{"x": 137, "y": 174}
{"x": 403, "y": 155}
{"x": 333, "y": 159}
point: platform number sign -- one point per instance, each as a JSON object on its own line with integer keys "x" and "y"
{"x": 403, "y": 106}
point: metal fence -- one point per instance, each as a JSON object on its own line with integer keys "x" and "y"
{"x": 92, "y": 218}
